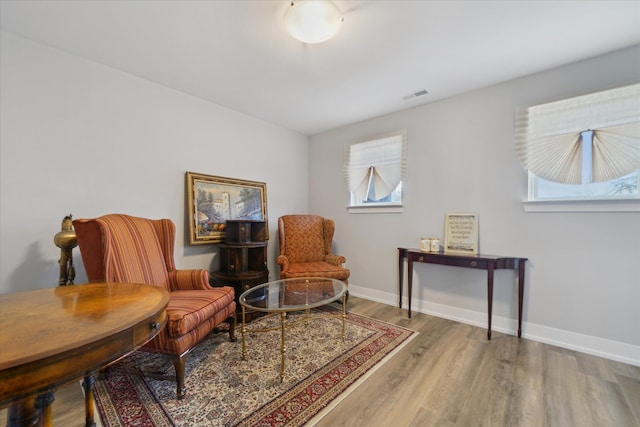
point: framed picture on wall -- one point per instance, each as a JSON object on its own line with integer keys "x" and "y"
{"x": 461, "y": 233}
{"x": 212, "y": 200}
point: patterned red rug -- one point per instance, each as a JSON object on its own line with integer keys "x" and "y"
{"x": 223, "y": 390}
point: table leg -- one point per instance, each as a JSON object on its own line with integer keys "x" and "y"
{"x": 283, "y": 317}
{"x": 43, "y": 405}
{"x": 344, "y": 314}
{"x": 24, "y": 413}
{"x": 520, "y": 294}
{"x": 243, "y": 331}
{"x": 88, "y": 385}
{"x": 401, "y": 254}
{"x": 489, "y": 297}
{"x": 409, "y": 283}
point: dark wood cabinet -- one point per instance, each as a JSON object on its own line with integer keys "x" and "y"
{"x": 250, "y": 258}
{"x": 240, "y": 232}
{"x": 243, "y": 257}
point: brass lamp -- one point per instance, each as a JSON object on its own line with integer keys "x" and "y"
{"x": 66, "y": 240}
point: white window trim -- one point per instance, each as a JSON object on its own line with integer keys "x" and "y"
{"x": 371, "y": 209}
{"x": 622, "y": 205}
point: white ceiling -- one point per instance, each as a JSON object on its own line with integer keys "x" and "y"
{"x": 238, "y": 55}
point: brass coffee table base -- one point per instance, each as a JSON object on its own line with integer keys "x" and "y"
{"x": 283, "y": 309}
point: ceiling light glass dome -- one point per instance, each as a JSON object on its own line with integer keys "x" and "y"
{"x": 312, "y": 21}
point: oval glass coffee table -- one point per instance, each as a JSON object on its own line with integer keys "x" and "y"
{"x": 288, "y": 295}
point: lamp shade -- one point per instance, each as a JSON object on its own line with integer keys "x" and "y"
{"x": 312, "y": 21}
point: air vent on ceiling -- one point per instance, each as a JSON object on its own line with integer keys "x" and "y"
{"x": 415, "y": 94}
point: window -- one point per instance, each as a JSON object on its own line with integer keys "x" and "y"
{"x": 585, "y": 148}
{"x": 625, "y": 187}
{"x": 374, "y": 171}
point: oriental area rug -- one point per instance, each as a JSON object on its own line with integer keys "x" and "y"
{"x": 224, "y": 390}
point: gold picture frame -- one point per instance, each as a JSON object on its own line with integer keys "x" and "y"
{"x": 461, "y": 233}
{"x": 212, "y": 200}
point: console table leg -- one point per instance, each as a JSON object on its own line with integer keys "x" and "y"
{"x": 521, "y": 264}
{"x": 401, "y": 255}
{"x": 409, "y": 283}
{"x": 489, "y": 297}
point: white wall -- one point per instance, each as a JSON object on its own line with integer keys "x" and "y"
{"x": 78, "y": 137}
{"x": 582, "y": 284}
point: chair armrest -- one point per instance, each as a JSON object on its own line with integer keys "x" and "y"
{"x": 284, "y": 262}
{"x": 335, "y": 259}
{"x": 181, "y": 280}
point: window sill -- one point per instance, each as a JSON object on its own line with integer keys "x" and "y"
{"x": 374, "y": 209}
{"x": 628, "y": 205}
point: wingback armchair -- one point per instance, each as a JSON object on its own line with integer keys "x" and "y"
{"x": 305, "y": 248}
{"x": 122, "y": 248}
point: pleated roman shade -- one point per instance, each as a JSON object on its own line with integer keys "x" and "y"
{"x": 548, "y": 136}
{"x": 380, "y": 164}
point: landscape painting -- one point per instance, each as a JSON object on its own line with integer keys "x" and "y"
{"x": 212, "y": 200}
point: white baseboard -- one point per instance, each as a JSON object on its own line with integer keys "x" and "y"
{"x": 613, "y": 350}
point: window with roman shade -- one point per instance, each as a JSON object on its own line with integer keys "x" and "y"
{"x": 374, "y": 170}
{"x": 549, "y": 137}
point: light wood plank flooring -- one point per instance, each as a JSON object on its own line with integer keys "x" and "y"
{"x": 450, "y": 375}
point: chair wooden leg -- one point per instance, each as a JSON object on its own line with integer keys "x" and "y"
{"x": 232, "y": 327}
{"x": 87, "y": 385}
{"x": 178, "y": 364}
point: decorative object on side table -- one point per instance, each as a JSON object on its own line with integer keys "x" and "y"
{"x": 429, "y": 244}
{"x": 213, "y": 200}
{"x": 461, "y": 233}
{"x": 434, "y": 244}
{"x": 66, "y": 240}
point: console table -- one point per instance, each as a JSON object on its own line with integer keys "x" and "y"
{"x": 482, "y": 262}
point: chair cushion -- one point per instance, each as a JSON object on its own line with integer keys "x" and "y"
{"x": 317, "y": 269}
{"x": 188, "y": 309}
{"x": 304, "y": 238}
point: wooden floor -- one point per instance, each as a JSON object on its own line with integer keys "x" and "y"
{"x": 450, "y": 375}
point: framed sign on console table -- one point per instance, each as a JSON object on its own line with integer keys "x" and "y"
{"x": 212, "y": 200}
{"x": 461, "y": 233}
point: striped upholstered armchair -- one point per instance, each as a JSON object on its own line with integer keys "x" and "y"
{"x": 305, "y": 248}
{"x": 122, "y": 248}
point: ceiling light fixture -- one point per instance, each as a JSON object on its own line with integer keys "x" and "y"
{"x": 312, "y": 21}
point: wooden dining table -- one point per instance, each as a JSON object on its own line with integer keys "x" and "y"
{"x": 50, "y": 337}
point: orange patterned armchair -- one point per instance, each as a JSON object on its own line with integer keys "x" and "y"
{"x": 305, "y": 248}
{"x": 122, "y": 248}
